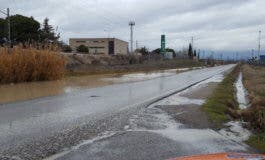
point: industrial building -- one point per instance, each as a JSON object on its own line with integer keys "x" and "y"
{"x": 107, "y": 46}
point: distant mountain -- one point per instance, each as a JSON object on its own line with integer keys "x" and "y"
{"x": 226, "y": 54}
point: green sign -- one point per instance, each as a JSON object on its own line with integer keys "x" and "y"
{"x": 163, "y": 44}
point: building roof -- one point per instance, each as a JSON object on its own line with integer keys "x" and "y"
{"x": 97, "y": 39}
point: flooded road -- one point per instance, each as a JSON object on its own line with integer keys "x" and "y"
{"x": 32, "y": 90}
{"x": 41, "y": 127}
{"x": 164, "y": 130}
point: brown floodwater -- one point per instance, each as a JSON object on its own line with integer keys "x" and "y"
{"x": 26, "y": 91}
{"x": 32, "y": 90}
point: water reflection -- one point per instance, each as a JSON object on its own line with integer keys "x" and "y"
{"x": 32, "y": 90}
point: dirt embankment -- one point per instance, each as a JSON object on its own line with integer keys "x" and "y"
{"x": 79, "y": 64}
{"x": 254, "y": 81}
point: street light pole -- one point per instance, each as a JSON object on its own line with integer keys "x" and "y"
{"x": 8, "y": 28}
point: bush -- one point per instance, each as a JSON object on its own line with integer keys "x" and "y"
{"x": 258, "y": 141}
{"x": 25, "y": 65}
{"x": 82, "y": 49}
{"x": 67, "y": 49}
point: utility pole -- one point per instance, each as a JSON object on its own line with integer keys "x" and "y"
{"x": 259, "y": 47}
{"x": 131, "y": 24}
{"x": 7, "y": 13}
{"x": 192, "y": 40}
{"x": 8, "y": 28}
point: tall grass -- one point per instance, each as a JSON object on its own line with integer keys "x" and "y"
{"x": 25, "y": 65}
{"x": 254, "y": 81}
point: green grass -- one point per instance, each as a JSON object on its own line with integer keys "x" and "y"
{"x": 257, "y": 141}
{"x": 221, "y": 100}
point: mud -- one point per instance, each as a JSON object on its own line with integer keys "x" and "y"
{"x": 192, "y": 115}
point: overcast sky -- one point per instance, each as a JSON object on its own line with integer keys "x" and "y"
{"x": 215, "y": 24}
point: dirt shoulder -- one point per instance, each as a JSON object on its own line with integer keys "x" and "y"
{"x": 192, "y": 115}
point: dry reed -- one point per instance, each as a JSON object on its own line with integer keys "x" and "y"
{"x": 254, "y": 81}
{"x": 25, "y": 65}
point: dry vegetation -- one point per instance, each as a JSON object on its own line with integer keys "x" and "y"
{"x": 25, "y": 65}
{"x": 254, "y": 81}
{"x": 86, "y": 69}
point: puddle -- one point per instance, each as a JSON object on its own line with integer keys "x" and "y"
{"x": 203, "y": 140}
{"x": 155, "y": 120}
{"x": 146, "y": 76}
{"x": 236, "y": 131}
{"x": 179, "y": 99}
{"x": 137, "y": 77}
{"x": 241, "y": 93}
{"x": 32, "y": 90}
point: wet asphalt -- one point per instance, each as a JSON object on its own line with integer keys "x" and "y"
{"x": 39, "y": 128}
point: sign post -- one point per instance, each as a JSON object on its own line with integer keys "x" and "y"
{"x": 163, "y": 45}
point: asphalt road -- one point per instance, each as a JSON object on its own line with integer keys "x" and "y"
{"x": 41, "y": 127}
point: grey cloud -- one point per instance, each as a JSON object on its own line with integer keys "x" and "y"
{"x": 219, "y": 24}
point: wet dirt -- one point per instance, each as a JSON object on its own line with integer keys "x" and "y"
{"x": 192, "y": 115}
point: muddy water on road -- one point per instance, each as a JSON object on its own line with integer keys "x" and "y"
{"x": 165, "y": 129}
{"x": 32, "y": 90}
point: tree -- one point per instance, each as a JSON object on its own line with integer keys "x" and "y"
{"x": 156, "y": 51}
{"x": 167, "y": 50}
{"x": 143, "y": 51}
{"x": 3, "y": 32}
{"x": 190, "y": 51}
{"x": 23, "y": 29}
{"x": 82, "y": 49}
{"x": 67, "y": 49}
{"x": 3, "y": 26}
{"x": 47, "y": 32}
{"x": 195, "y": 53}
{"x": 170, "y": 50}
